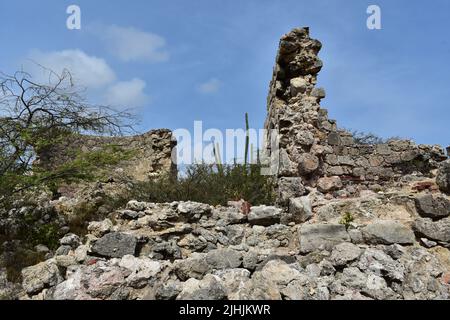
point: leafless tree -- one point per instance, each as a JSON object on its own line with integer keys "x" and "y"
{"x": 33, "y": 114}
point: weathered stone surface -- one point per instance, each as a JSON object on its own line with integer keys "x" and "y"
{"x": 264, "y": 215}
{"x": 387, "y": 232}
{"x": 318, "y": 93}
{"x": 353, "y": 278}
{"x": 321, "y": 236}
{"x": 327, "y": 184}
{"x": 279, "y": 273}
{"x": 290, "y": 187}
{"x": 298, "y": 85}
{"x": 129, "y": 214}
{"x": 443, "y": 177}
{"x": 299, "y": 211}
{"x": 100, "y": 228}
{"x": 71, "y": 289}
{"x": 434, "y": 207}
{"x": 233, "y": 280}
{"x": 80, "y": 253}
{"x": 395, "y": 251}
{"x": 209, "y": 288}
{"x": 258, "y": 288}
{"x": 63, "y": 250}
{"x": 98, "y": 281}
{"x": 344, "y": 253}
{"x": 379, "y": 263}
{"x": 115, "y": 245}
{"x": 40, "y": 276}
{"x": 142, "y": 269}
{"x": 169, "y": 290}
{"x": 307, "y": 163}
{"x": 193, "y": 210}
{"x": 305, "y": 138}
{"x": 193, "y": 267}
{"x": 224, "y": 259}
{"x": 71, "y": 240}
{"x": 434, "y": 230}
{"x": 65, "y": 261}
{"x": 137, "y": 206}
{"x": 243, "y": 261}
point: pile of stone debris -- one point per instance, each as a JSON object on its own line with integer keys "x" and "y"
{"x": 395, "y": 246}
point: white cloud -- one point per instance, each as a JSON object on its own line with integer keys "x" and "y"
{"x": 131, "y": 44}
{"x": 88, "y": 71}
{"x": 127, "y": 94}
{"x": 211, "y": 86}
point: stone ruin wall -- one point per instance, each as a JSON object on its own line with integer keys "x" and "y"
{"x": 313, "y": 151}
{"x": 152, "y": 153}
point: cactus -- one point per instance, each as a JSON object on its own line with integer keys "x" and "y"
{"x": 247, "y": 139}
{"x": 217, "y": 156}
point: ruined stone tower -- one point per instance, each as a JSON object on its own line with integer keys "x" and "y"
{"x": 313, "y": 150}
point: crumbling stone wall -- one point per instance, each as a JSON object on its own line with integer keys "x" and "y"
{"x": 313, "y": 151}
{"x": 151, "y": 152}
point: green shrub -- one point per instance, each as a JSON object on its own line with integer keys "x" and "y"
{"x": 347, "y": 219}
{"x": 46, "y": 234}
{"x": 209, "y": 184}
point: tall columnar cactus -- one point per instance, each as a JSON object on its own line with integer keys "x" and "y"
{"x": 247, "y": 139}
{"x": 216, "y": 151}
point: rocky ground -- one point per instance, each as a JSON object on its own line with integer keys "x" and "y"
{"x": 390, "y": 244}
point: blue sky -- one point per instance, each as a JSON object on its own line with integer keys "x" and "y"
{"x": 211, "y": 60}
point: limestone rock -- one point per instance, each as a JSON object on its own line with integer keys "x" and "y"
{"x": 443, "y": 177}
{"x": 387, "y": 232}
{"x": 209, "y": 288}
{"x": 379, "y": 263}
{"x": 318, "y": 93}
{"x": 434, "y": 207}
{"x": 321, "y": 236}
{"x": 300, "y": 210}
{"x": 193, "y": 210}
{"x": 233, "y": 280}
{"x": 169, "y": 290}
{"x": 290, "y": 187}
{"x": 142, "y": 269}
{"x": 71, "y": 289}
{"x": 258, "y": 288}
{"x": 434, "y": 230}
{"x": 298, "y": 85}
{"x": 344, "y": 253}
{"x": 137, "y": 206}
{"x": 279, "y": 273}
{"x": 65, "y": 261}
{"x": 307, "y": 163}
{"x": 264, "y": 215}
{"x": 71, "y": 240}
{"x": 193, "y": 267}
{"x": 100, "y": 228}
{"x": 40, "y": 276}
{"x": 115, "y": 245}
{"x": 224, "y": 259}
{"x": 101, "y": 280}
{"x": 129, "y": 214}
{"x": 305, "y": 138}
{"x": 80, "y": 253}
{"x": 327, "y": 184}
